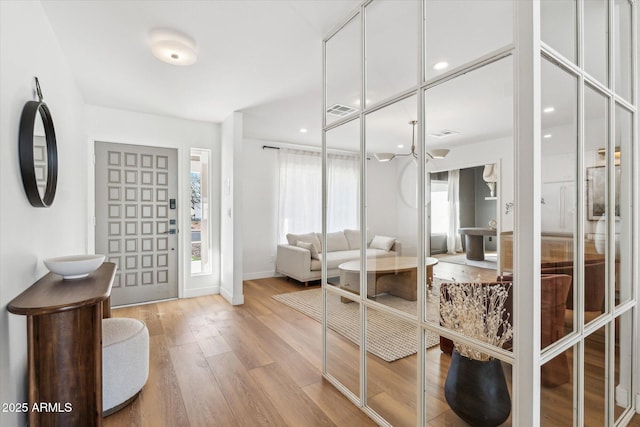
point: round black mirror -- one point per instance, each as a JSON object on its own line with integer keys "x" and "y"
{"x": 38, "y": 154}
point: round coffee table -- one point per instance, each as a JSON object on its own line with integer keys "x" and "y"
{"x": 394, "y": 275}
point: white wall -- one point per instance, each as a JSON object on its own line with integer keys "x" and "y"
{"x": 127, "y": 127}
{"x": 231, "y": 212}
{"x": 260, "y": 187}
{"x": 28, "y": 48}
{"x": 382, "y": 203}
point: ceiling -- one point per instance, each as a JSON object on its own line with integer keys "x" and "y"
{"x": 264, "y": 58}
{"x": 260, "y": 57}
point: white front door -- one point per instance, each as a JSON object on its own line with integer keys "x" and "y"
{"x": 136, "y": 220}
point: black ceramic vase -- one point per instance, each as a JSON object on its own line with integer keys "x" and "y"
{"x": 477, "y": 391}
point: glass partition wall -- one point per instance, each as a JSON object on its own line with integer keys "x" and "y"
{"x": 587, "y": 229}
{"x": 416, "y": 91}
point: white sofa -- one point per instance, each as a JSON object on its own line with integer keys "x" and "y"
{"x": 301, "y": 258}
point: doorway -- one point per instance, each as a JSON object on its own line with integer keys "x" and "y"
{"x": 136, "y": 189}
{"x": 471, "y": 236}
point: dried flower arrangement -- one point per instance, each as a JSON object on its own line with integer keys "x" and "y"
{"x": 477, "y": 311}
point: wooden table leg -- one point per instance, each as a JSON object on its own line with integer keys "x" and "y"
{"x": 429, "y": 276}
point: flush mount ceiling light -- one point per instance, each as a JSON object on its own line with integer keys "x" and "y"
{"x": 173, "y": 47}
{"x": 303, "y": 130}
{"x": 549, "y": 110}
{"x": 433, "y": 154}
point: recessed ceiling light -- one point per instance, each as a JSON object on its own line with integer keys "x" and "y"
{"x": 549, "y": 110}
{"x": 440, "y": 65}
{"x": 400, "y": 145}
{"x": 173, "y": 47}
{"x": 547, "y": 135}
{"x": 303, "y": 130}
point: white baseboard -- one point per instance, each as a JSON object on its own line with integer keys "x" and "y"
{"x": 259, "y": 275}
{"x": 233, "y": 300}
{"x": 198, "y": 292}
{"x": 623, "y": 399}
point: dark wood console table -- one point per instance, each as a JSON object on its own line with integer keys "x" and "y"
{"x": 64, "y": 328}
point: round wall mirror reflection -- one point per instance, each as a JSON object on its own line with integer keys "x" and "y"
{"x": 38, "y": 154}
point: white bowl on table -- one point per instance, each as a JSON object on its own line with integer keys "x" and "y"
{"x": 74, "y": 266}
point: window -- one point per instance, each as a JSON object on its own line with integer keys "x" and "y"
{"x": 439, "y": 207}
{"x": 200, "y": 233}
{"x": 300, "y": 206}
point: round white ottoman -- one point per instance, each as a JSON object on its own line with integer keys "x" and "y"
{"x": 125, "y": 362}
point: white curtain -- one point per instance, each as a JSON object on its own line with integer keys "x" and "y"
{"x": 343, "y": 192}
{"x": 300, "y": 201}
{"x": 454, "y": 243}
{"x": 300, "y": 204}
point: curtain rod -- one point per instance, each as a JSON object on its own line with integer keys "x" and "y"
{"x": 271, "y": 147}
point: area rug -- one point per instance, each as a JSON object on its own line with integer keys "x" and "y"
{"x": 490, "y": 261}
{"x": 388, "y": 337}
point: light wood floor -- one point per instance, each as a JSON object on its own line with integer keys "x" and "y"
{"x": 212, "y": 364}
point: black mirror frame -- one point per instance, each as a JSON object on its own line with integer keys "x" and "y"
{"x": 25, "y": 151}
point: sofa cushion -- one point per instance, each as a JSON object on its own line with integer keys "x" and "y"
{"x": 308, "y": 246}
{"x": 334, "y": 259}
{"x": 337, "y": 242}
{"x": 316, "y": 265}
{"x": 309, "y": 238}
{"x": 382, "y": 242}
{"x": 379, "y": 253}
{"x": 353, "y": 238}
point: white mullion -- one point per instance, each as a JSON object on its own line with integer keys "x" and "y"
{"x": 339, "y": 122}
{"x": 527, "y": 151}
{"x": 610, "y": 378}
{"x": 466, "y": 68}
{"x": 578, "y": 267}
{"x": 578, "y": 383}
{"x": 624, "y": 103}
{"x": 421, "y": 416}
{"x": 610, "y": 246}
{"x": 323, "y": 264}
{"x": 363, "y": 209}
{"x": 557, "y": 58}
{"x": 391, "y": 100}
{"x": 354, "y": 13}
{"x": 635, "y": 382}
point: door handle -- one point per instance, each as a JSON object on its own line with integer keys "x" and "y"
{"x": 170, "y": 231}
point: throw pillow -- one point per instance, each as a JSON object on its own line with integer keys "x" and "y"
{"x": 337, "y": 242}
{"x": 308, "y": 246}
{"x": 382, "y": 242}
{"x": 292, "y": 239}
{"x": 353, "y": 238}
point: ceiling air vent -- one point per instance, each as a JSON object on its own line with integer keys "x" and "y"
{"x": 340, "y": 110}
{"x": 443, "y": 133}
